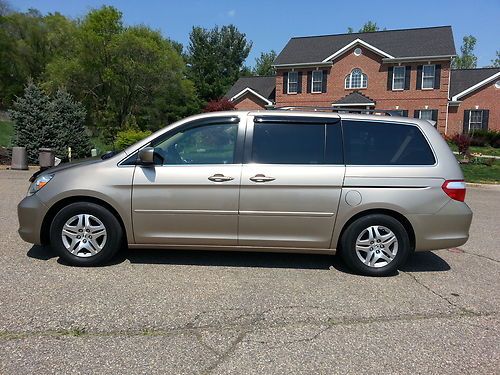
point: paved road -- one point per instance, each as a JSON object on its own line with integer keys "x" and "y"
{"x": 172, "y": 312}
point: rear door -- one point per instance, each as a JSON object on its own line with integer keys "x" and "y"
{"x": 291, "y": 181}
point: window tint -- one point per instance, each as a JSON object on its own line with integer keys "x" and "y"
{"x": 378, "y": 143}
{"x": 288, "y": 144}
{"x": 205, "y": 144}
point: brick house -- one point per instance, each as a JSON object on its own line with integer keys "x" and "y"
{"x": 407, "y": 71}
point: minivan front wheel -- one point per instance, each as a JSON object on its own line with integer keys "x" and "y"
{"x": 375, "y": 245}
{"x": 85, "y": 234}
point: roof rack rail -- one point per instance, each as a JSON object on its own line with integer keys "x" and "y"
{"x": 386, "y": 112}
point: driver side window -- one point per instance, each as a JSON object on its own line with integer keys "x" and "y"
{"x": 204, "y": 144}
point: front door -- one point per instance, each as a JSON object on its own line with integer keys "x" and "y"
{"x": 291, "y": 182}
{"x": 191, "y": 195}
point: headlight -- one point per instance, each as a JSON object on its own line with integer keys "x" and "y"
{"x": 39, "y": 183}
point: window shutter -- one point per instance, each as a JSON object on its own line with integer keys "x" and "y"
{"x": 285, "y": 83}
{"x": 325, "y": 80}
{"x": 407, "y": 77}
{"x": 419, "y": 77}
{"x": 437, "y": 76}
{"x": 466, "y": 121}
{"x": 486, "y": 115}
{"x": 390, "y": 73}
{"x": 405, "y": 113}
{"x": 309, "y": 81}
{"x": 299, "y": 82}
{"x": 416, "y": 113}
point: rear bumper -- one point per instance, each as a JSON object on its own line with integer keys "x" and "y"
{"x": 449, "y": 227}
{"x": 30, "y": 212}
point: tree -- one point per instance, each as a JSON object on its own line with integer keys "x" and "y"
{"x": 57, "y": 123}
{"x": 67, "y": 119}
{"x": 4, "y": 8}
{"x": 368, "y": 27}
{"x": 223, "y": 104}
{"x": 496, "y": 61}
{"x": 264, "y": 64}
{"x": 31, "y": 118}
{"x": 467, "y": 59}
{"x": 215, "y": 59}
{"x": 119, "y": 71}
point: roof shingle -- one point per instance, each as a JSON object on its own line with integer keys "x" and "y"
{"x": 462, "y": 79}
{"x": 263, "y": 85}
{"x": 432, "y": 41}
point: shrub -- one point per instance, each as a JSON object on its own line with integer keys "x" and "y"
{"x": 463, "y": 143}
{"x": 219, "y": 105}
{"x": 128, "y": 137}
{"x": 485, "y": 138}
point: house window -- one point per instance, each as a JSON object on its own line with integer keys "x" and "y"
{"x": 425, "y": 114}
{"x": 475, "y": 120}
{"x": 293, "y": 82}
{"x": 428, "y": 73}
{"x": 317, "y": 81}
{"x": 398, "y": 78}
{"x": 356, "y": 80}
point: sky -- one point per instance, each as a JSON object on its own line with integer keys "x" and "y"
{"x": 270, "y": 24}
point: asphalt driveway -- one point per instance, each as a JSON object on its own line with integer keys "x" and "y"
{"x": 174, "y": 312}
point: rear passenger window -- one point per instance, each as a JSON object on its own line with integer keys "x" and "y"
{"x": 378, "y": 143}
{"x": 287, "y": 143}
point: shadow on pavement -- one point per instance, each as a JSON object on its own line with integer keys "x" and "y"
{"x": 418, "y": 262}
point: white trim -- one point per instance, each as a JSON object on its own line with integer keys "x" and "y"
{"x": 249, "y": 90}
{"x": 394, "y": 75}
{"x": 352, "y": 104}
{"x": 312, "y": 82}
{"x": 417, "y": 58}
{"x": 298, "y": 65}
{"x": 355, "y": 42}
{"x": 447, "y": 102}
{"x": 364, "y": 80}
{"x": 475, "y": 87}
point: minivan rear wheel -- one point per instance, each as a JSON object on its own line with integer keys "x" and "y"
{"x": 375, "y": 245}
{"x": 85, "y": 234}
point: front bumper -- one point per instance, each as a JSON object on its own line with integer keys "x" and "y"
{"x": 30, "y": 212}
{"x": 447, "y": 228}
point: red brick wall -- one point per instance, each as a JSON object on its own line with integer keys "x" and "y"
{"x": 487, "y": 97}
{"x": 249, "y": 102}
{"x": 371, "y": 64}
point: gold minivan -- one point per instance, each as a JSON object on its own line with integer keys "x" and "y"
{"x": 374, "y": 188}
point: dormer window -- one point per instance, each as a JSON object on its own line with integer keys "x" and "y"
{"x": 356, "y": 80}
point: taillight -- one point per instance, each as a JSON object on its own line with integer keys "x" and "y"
{"x": 455, "y": 189}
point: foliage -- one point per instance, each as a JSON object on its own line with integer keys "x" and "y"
{"x": 118, "y": 71}
{"x": 495, "y": 63}
{"x": 6, "y": 133}
{"x": 264, "y": 64}
{"x": 128, "y": 137}
{"x": 462, "y": 141}
{"x": 57, "y": 123}
{"x": 219, "y": 105}
{"x": 467, "y": 59}
{"x": 215, "y": 59}
{"x": 28, "y": 41}
{"x": 368, "y": 27}
{"x": 485, "y": 137}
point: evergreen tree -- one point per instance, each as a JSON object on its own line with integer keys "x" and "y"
{"x": 67, "y": 118}
{"x": 32, "y": 128}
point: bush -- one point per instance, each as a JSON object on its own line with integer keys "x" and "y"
{"x": 219, "y": 105}
{"x": 463, "y": 143}
{"x": 128, "y": 137}
{"x": 485, "y": 137}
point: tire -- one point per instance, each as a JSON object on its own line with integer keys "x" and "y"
{"x": 389, "y": 244}
{"x": 83, "y": 242}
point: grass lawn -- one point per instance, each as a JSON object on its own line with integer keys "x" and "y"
{"x": 481, "y": 173}
{"x": 6, "y": 132}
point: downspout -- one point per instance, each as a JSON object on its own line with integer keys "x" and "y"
{"x": 448, "y": 101}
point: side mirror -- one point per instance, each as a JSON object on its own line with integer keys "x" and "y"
{"x": 146, "y": 155}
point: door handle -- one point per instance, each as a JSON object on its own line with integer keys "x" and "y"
{"x": 261, "y": 178}
{"x": 219, "y": 177}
